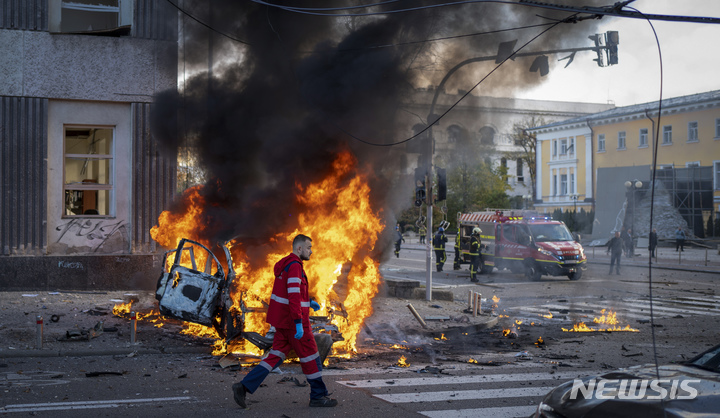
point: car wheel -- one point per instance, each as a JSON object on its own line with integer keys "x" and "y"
{"x": 532, "y": 272}
{"x": 576, "y": 275}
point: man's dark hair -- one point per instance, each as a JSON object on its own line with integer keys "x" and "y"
{"x": 300, "y": 239}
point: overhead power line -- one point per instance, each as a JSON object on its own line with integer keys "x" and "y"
{"x": 614, "y": 10}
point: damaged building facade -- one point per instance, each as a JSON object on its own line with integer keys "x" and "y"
{"x": 603, "y": 162}
{"x": 82, "y": 180}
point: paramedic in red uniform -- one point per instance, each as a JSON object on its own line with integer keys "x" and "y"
{"x": 289, "y": 313}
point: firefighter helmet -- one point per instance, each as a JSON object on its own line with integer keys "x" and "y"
{"x": 441, "y": 229}
{"x": 476, "y": 231}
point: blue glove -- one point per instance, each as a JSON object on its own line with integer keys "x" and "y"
{"x": 298, "y": 331}
{"x": 314, "y": 305}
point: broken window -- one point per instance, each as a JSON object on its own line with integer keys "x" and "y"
{"x": 99, "y": 17}
{"x": 88, "y": 171}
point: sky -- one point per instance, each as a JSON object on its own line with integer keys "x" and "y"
{"x": 691, "y": 62}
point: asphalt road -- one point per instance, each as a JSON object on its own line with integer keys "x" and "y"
{"x": 482, "y": 374}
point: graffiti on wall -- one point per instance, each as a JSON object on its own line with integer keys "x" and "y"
{"x": 95, "y": 233}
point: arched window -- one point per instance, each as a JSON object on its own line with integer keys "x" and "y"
{"x": 454, "y": 134}
{"x": 487, "y": 135}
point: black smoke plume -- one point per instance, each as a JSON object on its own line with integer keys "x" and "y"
{"x": 286, "y": 94}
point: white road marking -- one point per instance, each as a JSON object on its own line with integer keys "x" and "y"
{"x": 59, "y": 406}
{"x": 463, "y": 395}
{"x": 449, "y": 380}
{"x": 505, "y": 412}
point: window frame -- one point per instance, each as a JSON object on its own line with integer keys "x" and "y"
{"x": 667, "y": 135}
{"x": 519, "y": 170}
{"x": 563, "y": 185}
{"x": 643, "y": 137}
{"x": 716, "y": 175}
{"x": 717, "y": 129}
{"x": 622, "y": 140}
{"x": 124, "y": 11}
{"x": 601, "y": 143}
{"x": 83, "y": 187}
{"x": 693, "y": 132}
{"x": 563, "y": 147}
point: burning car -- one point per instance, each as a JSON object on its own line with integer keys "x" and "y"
{"x": 201, "y": 297}
{"x": 194, "y": 286}
{"x": 690, "y": 389}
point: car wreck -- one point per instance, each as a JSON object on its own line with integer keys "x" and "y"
{"x": 196, "y": 287}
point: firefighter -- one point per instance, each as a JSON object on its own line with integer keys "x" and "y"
{"x": 423, "y": 232}
{"x": 439, "y": 246}
{"x": 398, "y": 240}
{"x": 456, "y": 262}
{"x": 475, "y": 255}
{"x": 289, "y": 313}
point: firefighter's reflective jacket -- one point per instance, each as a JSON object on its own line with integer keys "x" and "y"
{"x": 474, "y": 245}
{"x": 439, "y": 241}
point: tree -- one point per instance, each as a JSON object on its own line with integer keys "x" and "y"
{"x": 527, "y": 141}
{"x": 475, "y": 186}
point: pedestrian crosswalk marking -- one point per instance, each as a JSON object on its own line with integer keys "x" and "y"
{"x": 632, "y": 308}
{"x": 502, "y": 412}
{"x": 463, "y": 395}
{"x": 451, "y": 380}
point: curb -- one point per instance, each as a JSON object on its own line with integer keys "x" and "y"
{"x": 661, "y": 267}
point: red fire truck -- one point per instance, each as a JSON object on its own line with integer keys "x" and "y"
{"x": 522, "y": 241}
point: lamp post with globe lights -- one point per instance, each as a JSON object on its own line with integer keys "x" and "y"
{"x": 631, "y": 187}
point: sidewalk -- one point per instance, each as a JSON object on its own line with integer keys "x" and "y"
{"x": 692, "y": 259}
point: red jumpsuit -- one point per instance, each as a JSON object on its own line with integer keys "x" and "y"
{"x": 290, "y": 305}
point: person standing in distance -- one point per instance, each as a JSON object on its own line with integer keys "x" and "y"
{"x": 439, "y": 246}
{"x": 653, "y": 241}
{"x": 679, "y": 239}
{"x": 475, "y": 255}
{"x": 289, "y": 313}
{"x": 398, "y": 240}
{"x": 615, "y": 248}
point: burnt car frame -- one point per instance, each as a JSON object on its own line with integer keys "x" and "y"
{"x": 204, "y": 297}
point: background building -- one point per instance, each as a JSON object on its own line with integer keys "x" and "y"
{"x": 606, "y": 160}
{"x": 82, "y": 180}
{"x": 484, "y": 126}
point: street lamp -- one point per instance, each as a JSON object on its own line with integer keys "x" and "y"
{"x": 631, "y": 187}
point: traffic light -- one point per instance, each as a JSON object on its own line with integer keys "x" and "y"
{"x": 598, "y": 48}
{"x": 612, "y": 39}
{"x": 419, "y": 186}
{"x": 442, "y": 184}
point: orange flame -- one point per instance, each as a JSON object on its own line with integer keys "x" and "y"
{"x": 402, "y": 362}
{"x": 343, "y": 276}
